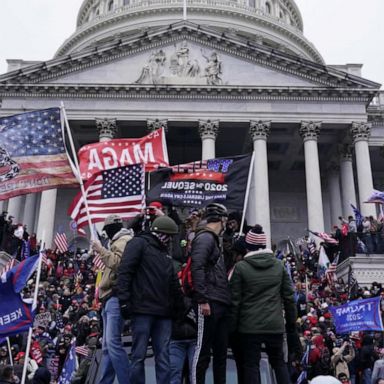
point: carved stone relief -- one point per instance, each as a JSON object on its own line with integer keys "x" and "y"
{"x": 182, "y": 66}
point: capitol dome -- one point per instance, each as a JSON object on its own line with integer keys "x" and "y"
{"x": 274, "y": 23}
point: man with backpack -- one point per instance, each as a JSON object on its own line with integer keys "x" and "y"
{"x": 149, "y": 293}
{"x": 211, "y": 295}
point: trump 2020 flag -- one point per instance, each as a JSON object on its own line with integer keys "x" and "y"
{"x": 15, "y": 314}
{"x": 117, "y": 190}
{"x": 202, "y": 182}
{"x": 32, "y": 154}
{"x": 358, "y": 315}
{"x": 70, "y": 366}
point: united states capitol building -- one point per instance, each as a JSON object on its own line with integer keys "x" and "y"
{"x": 224, "y": 77}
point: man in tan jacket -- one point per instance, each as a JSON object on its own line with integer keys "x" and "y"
{"x": 114, "y": 360}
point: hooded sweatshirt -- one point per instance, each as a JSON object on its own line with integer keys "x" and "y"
{"x": 112, "y": 260}
{"x": 260, "y": 290}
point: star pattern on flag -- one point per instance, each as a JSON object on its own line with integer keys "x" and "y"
{"x": 122, "y": 182}
{"x": 34, "y": 133}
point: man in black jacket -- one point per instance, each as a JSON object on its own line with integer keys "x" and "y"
{"x": 149, "y": 293}
{"x": 211, "y": 294}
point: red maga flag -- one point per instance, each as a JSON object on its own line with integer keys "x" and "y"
{"x": 118, "y": 190}
{"x": 150, "y": 150}
{"x": 32, "y": 154}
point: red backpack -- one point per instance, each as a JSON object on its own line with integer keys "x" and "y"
{"x": 185, "y": 277}
{"x": 185, "y": 274}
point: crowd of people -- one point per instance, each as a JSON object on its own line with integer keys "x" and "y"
{"x": 199, "y": 289}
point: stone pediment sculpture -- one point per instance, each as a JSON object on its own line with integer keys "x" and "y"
{"x": 182, "y": 67}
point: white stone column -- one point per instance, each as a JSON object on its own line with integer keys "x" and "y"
{"x": 361, "y": 132}
{"x": 309, "y": 131}
{"x": 15, "y": 207}
{"x": 153, "y": 125}
{"x": 334, "y": 192}
{"x": 258, "y": 211}
{"x": 3, "y": 205}
{"x": 107, "y": 129}
{"x": 347, "y": 180}
{"x": 29, "y": 212}
{"x": 208, "y": 132}
{"x": 47, "y": 217}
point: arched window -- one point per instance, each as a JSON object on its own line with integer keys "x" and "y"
{"x": 110, "y": 5}
{"x": 268, "y": 8}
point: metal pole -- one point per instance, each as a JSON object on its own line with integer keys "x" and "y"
{"x": 250, "y": 174}
{"x": 66, "y": 125}
{"x": 34, "y": 305}
{"x": 9, "y": 351}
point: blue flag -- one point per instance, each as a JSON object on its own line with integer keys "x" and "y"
{"x": 25, "y": 250}
{"x": 16, "y": 316}
{"x": 358, "y": 315}
{"x": 69, "y": 367}
{"x": 358, "y": 216}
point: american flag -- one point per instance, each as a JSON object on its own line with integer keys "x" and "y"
{"x": 33, "y": 154}
{"x": 324, "y": 236}
{"x": 376, "y": 197}
{"x": 12, "y": 263}
{"x": 61, "y": 242}
{"x": 118, "y": 190}
{"x": 330, "y": 273}
{"x": 98, "y": 263}
{"x": 82, "y": 350}
{"x": 44, "y": 258}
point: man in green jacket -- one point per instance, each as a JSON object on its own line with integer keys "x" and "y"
{"x": 261, "y": 293}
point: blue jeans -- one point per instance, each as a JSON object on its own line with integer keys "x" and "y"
{"x": 158, "y": 329}
{"x": 114, "y": 358}
{"x": 367, "y": 376}
{"x": 179, "y": 350}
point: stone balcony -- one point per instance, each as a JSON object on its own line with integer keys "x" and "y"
{"x": 366, "y": 269}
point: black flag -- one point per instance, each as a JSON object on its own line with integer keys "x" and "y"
{"x": 199, "y": 183}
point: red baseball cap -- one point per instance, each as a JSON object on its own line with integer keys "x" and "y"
{"x": 156, "y": 204}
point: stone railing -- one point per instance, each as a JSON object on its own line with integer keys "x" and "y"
{"x": 366, "y": 269}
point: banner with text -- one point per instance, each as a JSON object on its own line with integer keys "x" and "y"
{"x": 358, "y": 315}
{"x": 16, "y": 315}
{"x": 150, "y": 150}
{"x": 199, "y": 183}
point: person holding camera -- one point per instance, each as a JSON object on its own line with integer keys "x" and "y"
{"x": 341, "y": 357}
{"x": 143, "y": 221}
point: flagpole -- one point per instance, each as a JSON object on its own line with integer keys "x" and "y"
{"x": 250, "y": 173}
{"x": 34, "y": 305}
{"x": 66, "y": 125}
{"x": 184, "y": 9}
{"x": 9, "y": 351}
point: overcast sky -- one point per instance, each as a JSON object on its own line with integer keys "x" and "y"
{"x": 343, "y": 31}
